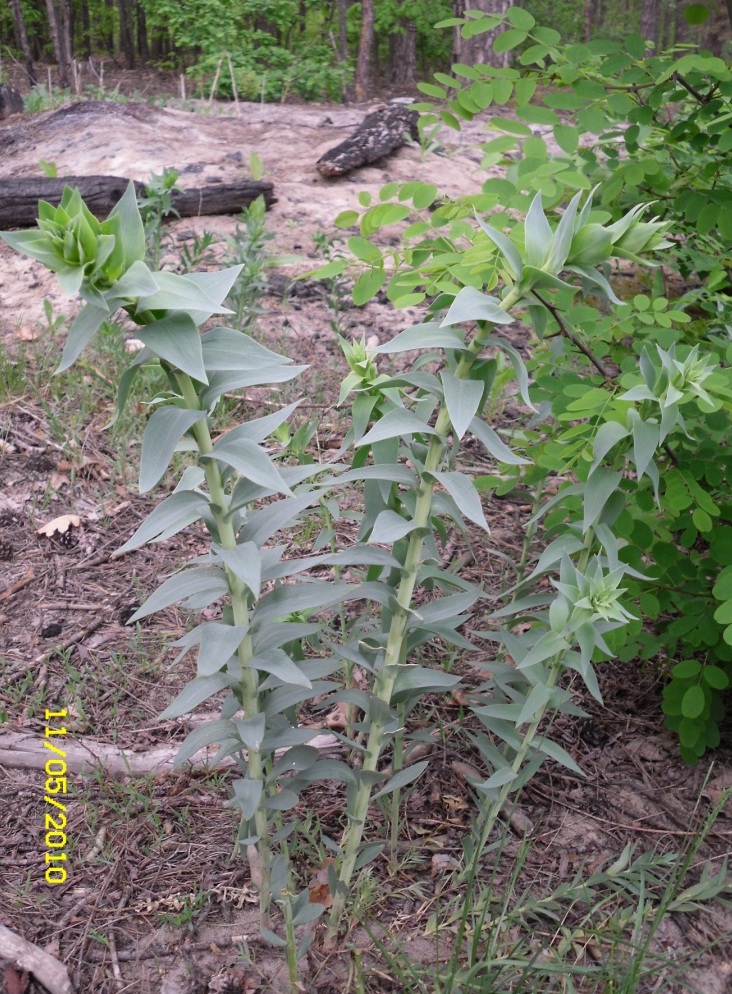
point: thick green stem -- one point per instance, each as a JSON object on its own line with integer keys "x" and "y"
{"x": 393, "y": 657}
{"x": 240, "y": 611}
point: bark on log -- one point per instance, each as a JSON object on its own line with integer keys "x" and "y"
{"x": 19, "y": 196}
{"x": 380, "y": 133}
{"x": 24, "y": 751}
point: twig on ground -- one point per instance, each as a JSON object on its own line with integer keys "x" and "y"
{"x": 31, "y": 958}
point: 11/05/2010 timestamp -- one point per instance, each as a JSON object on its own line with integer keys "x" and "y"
{"x": 56, "y": 787}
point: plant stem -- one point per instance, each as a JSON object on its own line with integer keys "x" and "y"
{"x": 240, "y": 611}
{"x": 383, "y": 688}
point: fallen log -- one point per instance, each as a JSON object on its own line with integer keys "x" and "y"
{"x": 25, "y": 751}
{"x": 19, "y": 196}
{"x": 380, "y": 133}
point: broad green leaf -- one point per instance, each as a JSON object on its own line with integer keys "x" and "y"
{"x": 537, "y": 234}
{"x": 646, "y": 440}
{"x": 216, "y": 285}
{"x": 164, "y": 430}
{"x": 278, "y": 664}
{"x": 176, "y": 512}
{"x": 260, "y": 428}
{"x": 202, "y": 586}
{"x": 175, "y": 338}
{"x": 217, "y": 644}
{"x": 397, "y": 422}
{"x": 696, "y": 13}
{"x": 346, "y": 219}
{"x": 693, "y": 702}
{"x": 263, "y": 524}
{"x": 498, "y": 779}
{"x": 509, "y": 39}
{"x": 463, "y": 492}
{"x": 128, "y": 229}
{"x": 567, "y": 137}
{"x": 248, "y": 796}
{"x": 430, "y": 335}
{"x": 607, "y": 438}
{"x": 368, "y": 285}
{"x": 216, "y": 731}
{"x": 389, "y": 527}
{"x": 506, "y": 247}
{"x": 520, "y": 18}
{"x": 447, "y": 608}
{"x": 251, "y": 730}
{"x": 401, "y": 779}
{"x": 558, "y": 754}
{"x": 289, "y": 598}
{"x": 462, "y": 398}
{"x": 221, "y": 383}
{"x": 193, "y": 694}
{"x": 181, "y": 293}
{"x": 598, "y": 490}
{"x": 244, "y": 562}
{"x": 494, "y": 446}
{"x": 535, "y": 703}
{"x": 364, "y": 250}
{"x": 225, "y": 349}
{"x": 85, "y": 326}
{"x": 249, "y": 459}
{"x": 472, "y": 305}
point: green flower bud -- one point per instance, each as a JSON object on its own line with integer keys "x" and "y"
{"x": 591, "y": 246}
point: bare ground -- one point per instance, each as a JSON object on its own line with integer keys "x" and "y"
{"x": 154, "y": 902}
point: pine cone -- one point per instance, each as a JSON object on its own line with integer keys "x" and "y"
{"x": 6, "y": 550}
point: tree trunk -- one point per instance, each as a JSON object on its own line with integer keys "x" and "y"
{"x": 23, "y": 43}
{"x": 650, "y": 13}
{"x": 404, "y": 60}
{"x": 343, "y": 32}
{"x": 126, "y": 32}
{"x": 85, "y": 30}
{"x": 59, "y": 22}
{"x": 365, "y": 41}
{"x": 478, "y": 50}
{"x": 141, "y": 25}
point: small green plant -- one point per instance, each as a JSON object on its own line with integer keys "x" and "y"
{"x": 155, "y": 206}
{"x": 329, "y": 247}
{"x": 40, "y": 98}
{"x": 247, "y": 249}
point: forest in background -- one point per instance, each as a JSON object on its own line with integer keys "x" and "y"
{"x": 314, "y": 49}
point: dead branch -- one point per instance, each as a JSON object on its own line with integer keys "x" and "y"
{"x": 32, "y": 959}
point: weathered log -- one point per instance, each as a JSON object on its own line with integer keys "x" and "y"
{"x": 19, "y": 196}
{"x": 381, "y": 132}
{"x": 24, "y": 751}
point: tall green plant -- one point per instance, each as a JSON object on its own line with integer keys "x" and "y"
{"x": 643, "y": 127}
{"x": 266, "y": 652}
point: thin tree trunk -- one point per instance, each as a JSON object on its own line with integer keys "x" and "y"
{"x": 59, "y": 16}
{"x": 365, "y": 41}
{"x": 478, "y": 50}
{"x": 404, "y": 60}
{"x": 650, "y": 13}
{"x": 23, "y": 43}
{"x": 126, "y": 33}
{"x": 342, "y": 30}
{"x": 85, "y": 30}
{"x": 141, "y": 23}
